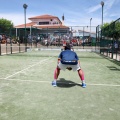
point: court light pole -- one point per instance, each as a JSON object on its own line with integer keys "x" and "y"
{"x": 25, "y": 7}
{"x": 83, "y": 37}
{"x": 90, "y": 26}
{"x": 90, "y": 32}
{"x": 102, "y": 4}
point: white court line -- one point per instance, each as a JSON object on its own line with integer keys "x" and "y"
{"x": 26, "y": 68}
{"x": 109, "y": 85}
{"x": 35, "y": 81}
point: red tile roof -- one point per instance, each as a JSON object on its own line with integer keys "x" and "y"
{"x": 52, "y": 26}
{"x": 28, "y": 25}
{"x": 44, "y": 17}
{"x": 32, "y": 24}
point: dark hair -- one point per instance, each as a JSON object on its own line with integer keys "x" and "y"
{"x": 67, "y": 47}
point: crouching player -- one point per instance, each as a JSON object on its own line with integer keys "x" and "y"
{"x": 68, "y": 60}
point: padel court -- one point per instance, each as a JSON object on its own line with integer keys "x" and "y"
{"x": 26, "y": 92}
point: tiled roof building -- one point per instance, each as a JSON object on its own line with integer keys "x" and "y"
{"x": 44, "y": 22}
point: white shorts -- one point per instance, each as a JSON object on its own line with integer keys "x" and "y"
{"x": 64, "y": 66}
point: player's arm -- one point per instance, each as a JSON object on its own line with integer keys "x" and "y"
{"x": 59, "y": 57}
{"x": 59, "y": 60}
{"x": 77, "y": 59}
{"x": 79, "y": 62}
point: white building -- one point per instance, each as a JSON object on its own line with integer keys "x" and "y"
{"x": 45, "y": 24}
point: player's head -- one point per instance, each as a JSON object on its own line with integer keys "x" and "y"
{"x": 64, "y": 44}
{"x": 67, "y": 47}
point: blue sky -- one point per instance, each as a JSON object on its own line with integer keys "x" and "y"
{"x": 76, "y": 12}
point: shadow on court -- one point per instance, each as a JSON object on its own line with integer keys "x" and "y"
{"x": 66, "y": 83}
{"x": 111, "y": 60}
{"x": 113, "y": 68}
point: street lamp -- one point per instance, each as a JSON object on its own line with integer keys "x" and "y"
{"x": 25, "y": 7}
{"x": 102, "y": 3}
{"x": 90, "y": 25}
{"x": 83, "y": 37}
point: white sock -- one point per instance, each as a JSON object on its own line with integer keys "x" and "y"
{"x": 83, "y": 81}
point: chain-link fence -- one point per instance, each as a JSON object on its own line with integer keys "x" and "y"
{"x": 109, "y": 39}
{"x": 19, "y": 40}
{"x": 10, "y": 43}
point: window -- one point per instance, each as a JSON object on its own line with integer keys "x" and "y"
{"x": 43, "y": 23}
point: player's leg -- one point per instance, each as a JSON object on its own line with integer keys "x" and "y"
{"x": 81, "y": 75}
{"x": 56, "y": 73}
{"x": 60, "y": 66}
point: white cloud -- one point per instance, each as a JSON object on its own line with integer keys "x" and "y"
{"x": 115, "y": 15}
{"x": 84, "y": 21}
{"x": 108, "y": 4}
{"x": 16, "y": 19}
{"x": 93, "y": 9}
{"x": 73, "y": 20}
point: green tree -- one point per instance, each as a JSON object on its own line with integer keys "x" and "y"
{"x": 105, "y": 29}
{"x": 5, "y": 25}
{"x": 105, "y": 25}
{"x": 111, "y": 29}
{"x": 117, "y": 29}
